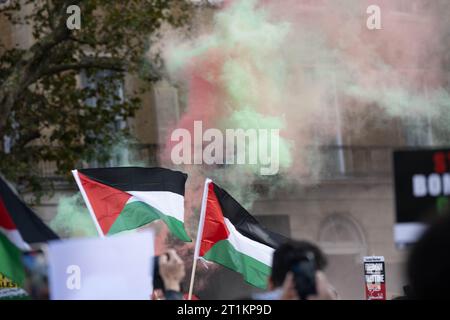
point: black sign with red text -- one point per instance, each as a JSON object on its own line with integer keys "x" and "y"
{"x": 422, "y": 189}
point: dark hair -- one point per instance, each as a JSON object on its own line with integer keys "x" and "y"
{"x": 291, "y": 252}
{"x": 429, "y": 263}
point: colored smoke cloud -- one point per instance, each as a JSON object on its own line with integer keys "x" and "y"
{"x": 73, "y": 219}
{"x": 310, "y": 69}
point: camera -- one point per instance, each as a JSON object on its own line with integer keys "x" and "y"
{"x": 158, "y": 283}
{"x": 157, "y": 280}
{"x": 304, "y": 270}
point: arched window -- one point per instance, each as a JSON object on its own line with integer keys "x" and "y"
{"x": 340, "y": 234}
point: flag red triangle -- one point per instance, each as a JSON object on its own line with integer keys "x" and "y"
{"x": 5, "y": 219}
{"x": 106, "y": 202}
{"x": 214, "y": 228}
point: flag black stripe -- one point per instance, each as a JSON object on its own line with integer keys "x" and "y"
{"x": 139, "y": 179}
{"x": 244, "y": 222}
{"x": 30, "y": 227}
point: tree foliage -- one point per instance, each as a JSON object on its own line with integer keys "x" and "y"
{"x": 46, "y": 114}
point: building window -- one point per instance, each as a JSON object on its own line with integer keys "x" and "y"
{"x": 418, "y": 131}
{"x": 167, "y": 108}
{"x": 7, "y": 144}
{"x": 330, "y": 147}
{"x": 418, "y": 128}
{"x": 92, "y": 82}
{"x": 4, "y": 4}
{"x": 10, "y": 140}
{"x": 340, "y": 234}
{"x": 344, "y": 243}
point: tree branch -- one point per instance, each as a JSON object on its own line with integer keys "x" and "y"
{"x": 95, "y": 63}
{"x": 24, "y": 140}
{"x": 24, "y": 72}
{"x": 92, "y": 44}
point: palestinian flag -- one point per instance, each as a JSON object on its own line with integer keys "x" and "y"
{"x": 19, "y": 227}
{"x": 234, "y": 239}
{"x": 129, "y": 197}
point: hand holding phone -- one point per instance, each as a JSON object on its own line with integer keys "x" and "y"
{"x": 169, "y": 271}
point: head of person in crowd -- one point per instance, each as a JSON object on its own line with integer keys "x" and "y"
{"x": 36, "y": 271}
{"x": 429, "y": 263}
{"x": 288, "y": 274}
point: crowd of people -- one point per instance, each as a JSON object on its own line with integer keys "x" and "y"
{"x": 427, "y": 267}
{"x": 298, "y": 271}
{"x": 284, "y": 283}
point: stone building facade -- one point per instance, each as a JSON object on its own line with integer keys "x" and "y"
{"x": 350, "y": 213}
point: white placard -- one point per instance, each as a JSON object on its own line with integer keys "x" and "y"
{"x": 112, "y": 268}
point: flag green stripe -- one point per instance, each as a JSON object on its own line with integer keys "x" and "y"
{"x": 11, "y": 261}
{"x": 254, "y": 272}
{"x": 136, "y": 214}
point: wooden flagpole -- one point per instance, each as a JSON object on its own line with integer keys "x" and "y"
{"x": 199, "y": 236}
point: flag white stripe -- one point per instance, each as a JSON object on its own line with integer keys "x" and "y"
{"x": 249, "y": 247}
{"x": 169, "y": 203}
{"x": 15, "y": 237}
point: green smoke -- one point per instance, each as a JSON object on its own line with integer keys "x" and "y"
{"x": 250, "y": 119}
{"x": 73, "y": 218}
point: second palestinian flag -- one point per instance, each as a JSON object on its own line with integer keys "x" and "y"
{"x": 19, "y": 227}
{"x": 130, "y": 197}
{"x": 233, "y": 238}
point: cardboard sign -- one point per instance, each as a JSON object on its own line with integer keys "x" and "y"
{"x": 111, "y": 268}
{"x": 375, "y": 278}
{"x": 422, "y": 190}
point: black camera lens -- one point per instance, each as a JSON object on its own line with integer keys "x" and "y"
{"x": 304, "y": 271}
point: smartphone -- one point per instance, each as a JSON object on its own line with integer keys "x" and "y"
{"x": 157, "y": 280}
{"x": 304, "y": 271}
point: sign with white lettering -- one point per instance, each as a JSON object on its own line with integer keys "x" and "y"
{"x": 422, "y": 190}
{"x": 374, "y": 278}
